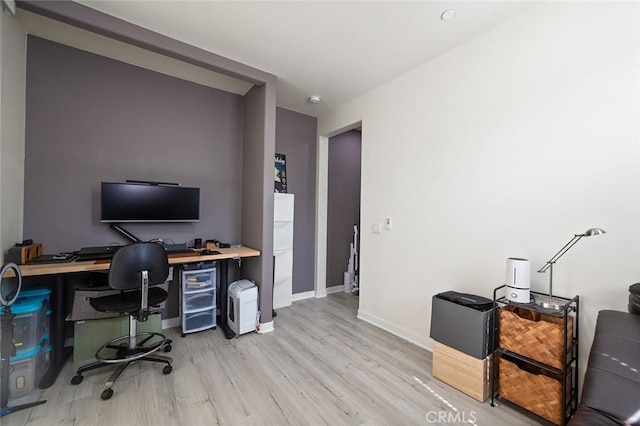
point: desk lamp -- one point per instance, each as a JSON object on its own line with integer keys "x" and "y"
{"x": 550, "y": 302}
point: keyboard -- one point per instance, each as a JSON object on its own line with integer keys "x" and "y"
{"x": 107, "y": 252}
{"x": 52, "y": 258}
{"x": 177, "y": 248}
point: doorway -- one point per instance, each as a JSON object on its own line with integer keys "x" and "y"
{"x": 343, "y": 209}
{"x": 322, "y": 180}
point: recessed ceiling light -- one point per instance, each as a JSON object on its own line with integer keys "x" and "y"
{"x": 314, "y": 99}
{"x": 448, "y": 15}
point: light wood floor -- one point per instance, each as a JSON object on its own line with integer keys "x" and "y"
{"x": 321, "y": 366}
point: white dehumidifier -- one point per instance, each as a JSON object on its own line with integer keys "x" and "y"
{"x": 242, "y": 306}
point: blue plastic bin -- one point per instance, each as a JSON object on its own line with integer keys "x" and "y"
{"x": 31, "y": 321}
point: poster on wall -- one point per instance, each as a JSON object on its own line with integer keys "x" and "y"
{"x": 281, "y": 174}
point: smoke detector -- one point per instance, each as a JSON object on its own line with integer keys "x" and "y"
{"x": 314, "y": 99}
{"x": 448, "y": 15}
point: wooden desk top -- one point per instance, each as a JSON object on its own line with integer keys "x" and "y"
{"x": 100, "y": 265}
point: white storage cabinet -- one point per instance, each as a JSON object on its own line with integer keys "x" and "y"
{"x": 198, "y": 306}
{"x": 283, "y": 250}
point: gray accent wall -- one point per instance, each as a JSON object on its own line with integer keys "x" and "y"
{"x": 13, "y": 43}
{"x": 257, "y": 191}
{"x": 343, "y": 204}
{"x": 296, "y": 137}
{"x": 92, "y": 119}
{"x": 259, "y": 135}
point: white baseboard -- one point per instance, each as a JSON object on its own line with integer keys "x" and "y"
{"x": 335, "y": 289}
{"x": 170, "y": 323}
{"x": 266, "y": 327}
{"x": 321, "y": 293}
{"x": 303, "y": 295}
{"x": 423, "y": 342}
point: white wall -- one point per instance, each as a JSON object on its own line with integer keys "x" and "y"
{"x": 2, "y": 242}
{"x": 12, "y": 110}
{"x": 505, "y": 146}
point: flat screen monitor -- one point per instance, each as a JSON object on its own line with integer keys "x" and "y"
{"x": 131, "y": 202}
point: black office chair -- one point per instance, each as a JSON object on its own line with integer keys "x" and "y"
{"x": 134, "y": 270}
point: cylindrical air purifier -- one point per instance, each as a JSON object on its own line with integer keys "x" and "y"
{"x": 518, "y": 284}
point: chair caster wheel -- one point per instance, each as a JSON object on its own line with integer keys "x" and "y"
{"x": 167, "y": 369}
{"x": 106, "y": 394}
{"x": 77, "y": 379}
{"x": 183, "y": 334}
{"x": 167, "y": 348}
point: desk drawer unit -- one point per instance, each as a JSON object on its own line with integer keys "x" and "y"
{"x": 198, "y": 299}
{"x": 196, "y": 281}
{"x": 199, "y": 321}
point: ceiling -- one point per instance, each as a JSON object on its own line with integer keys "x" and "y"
{"x": 337, "y": 50}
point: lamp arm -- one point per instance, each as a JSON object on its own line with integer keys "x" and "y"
{"x": 561, "y": 252}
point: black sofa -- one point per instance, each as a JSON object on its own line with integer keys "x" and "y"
{"x": 611, "y": 391}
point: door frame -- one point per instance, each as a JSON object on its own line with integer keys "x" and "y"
{"x": 322, "y": 190}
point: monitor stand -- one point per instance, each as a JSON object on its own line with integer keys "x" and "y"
{"x": 122, "y": 231}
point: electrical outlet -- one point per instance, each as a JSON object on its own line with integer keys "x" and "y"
{"x": 387, "y": 224}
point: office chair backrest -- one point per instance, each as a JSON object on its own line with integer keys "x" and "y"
{"x": 128, "y": 263}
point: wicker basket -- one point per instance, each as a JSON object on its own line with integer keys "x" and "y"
{"x": 532, "y": 390}
{"x": 535, "y": 335}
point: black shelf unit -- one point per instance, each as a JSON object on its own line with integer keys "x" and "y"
{"x": 568, "y": 384}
